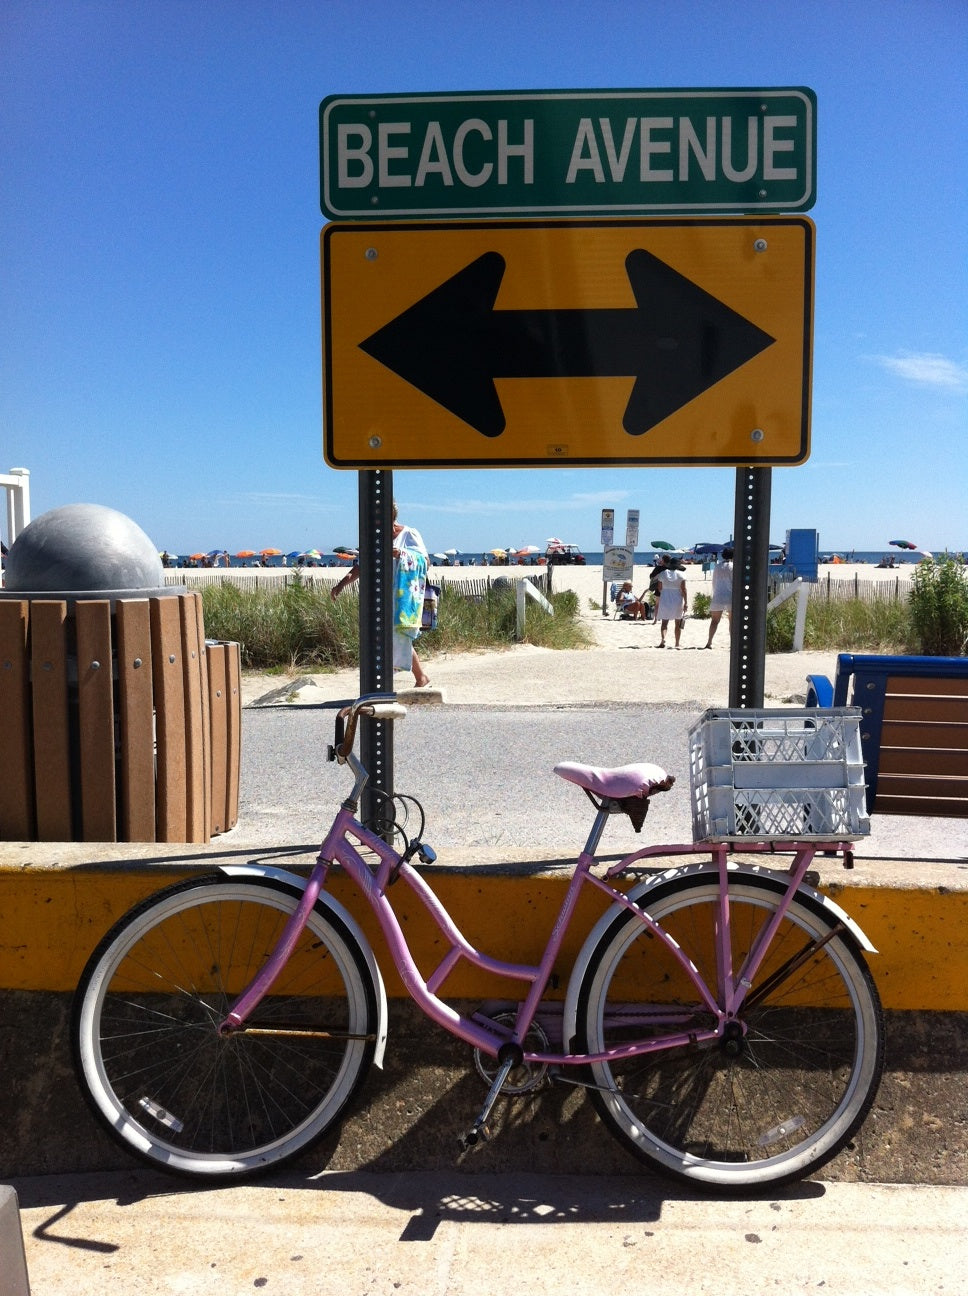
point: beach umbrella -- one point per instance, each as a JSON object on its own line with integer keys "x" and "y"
{"x": 344, "y": 551}
{"x": 451, "y": 553}
{"x": 498, "y": 553}
{"x": 245, "y": 553}
{"x": 663, "y": 544}
{"x": 311, "y": 553}
{"x": 527, "y": 549}
{"x": 441, "y": 556}
{"x": 197, "y": 557}
{"x": 903, "y": 544}
{"x": 269, "y": 553}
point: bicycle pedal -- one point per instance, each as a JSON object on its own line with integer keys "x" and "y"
{"x": 478, "y": 1133}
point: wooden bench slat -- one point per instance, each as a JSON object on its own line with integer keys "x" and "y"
{"x": 912, "y": 735}
{"x": 136, "y": 721}
{"x": 166, "y": 663}
{"x": 923, "y": 760}
{"x": 233, "y": 680}
{"x": 195, "y": 755}
{"x": 206, "y": 720}
{"x": 95, "y": 709}
{"x": 922, "y": 785}
{"x": 52, "y": 741}
{"x": 16, "y": 741}
{"x": 940, "y": 710}
{"x": 926, "y": 684}
{"x": 923, "y": 807}
{"x": 218, "y": 720}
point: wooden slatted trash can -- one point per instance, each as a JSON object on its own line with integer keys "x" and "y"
{"x": 118, "y": 721}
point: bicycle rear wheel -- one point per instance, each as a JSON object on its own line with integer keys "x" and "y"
{"x": 786, "y": 1091}
{"x": 144, "y": 1030}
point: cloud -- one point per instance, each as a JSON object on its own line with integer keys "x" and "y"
{"x": 926, "y": 368}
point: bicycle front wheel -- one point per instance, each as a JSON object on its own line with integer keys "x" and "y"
{"x": 146, "y": 1046}
{"x": 791, "y": 1082}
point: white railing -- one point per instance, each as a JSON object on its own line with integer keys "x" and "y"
{"x": 802, "y": 592}
{"x": 16, "y": 484}
{"x": 526, "y": 590}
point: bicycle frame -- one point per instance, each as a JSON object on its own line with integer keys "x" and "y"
{"x": 375, "y": 878}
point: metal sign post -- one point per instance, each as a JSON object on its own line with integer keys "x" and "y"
{"x": 608, "y": 535}
{"x": 751, "y": 543}
{"x": 632, "y": 528}
{"x": 376, "y": 631}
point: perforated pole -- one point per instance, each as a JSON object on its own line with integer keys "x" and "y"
{"x": 751, "y": 558}
{"x": 376, "y": 630}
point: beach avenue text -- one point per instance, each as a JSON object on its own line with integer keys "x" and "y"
{"x": 667, "y": 149}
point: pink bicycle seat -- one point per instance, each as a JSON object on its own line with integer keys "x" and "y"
{"x": 623, "y": 781}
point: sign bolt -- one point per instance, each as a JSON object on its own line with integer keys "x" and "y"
{"x": 757, "y": 435}
{"x": 374, "y": 443}
{"x": 759, "y": 246}
{"x": 371, "y": 254}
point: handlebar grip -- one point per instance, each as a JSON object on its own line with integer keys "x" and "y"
{"x": 345, "y": 734}
{"x": 385, "y": 710}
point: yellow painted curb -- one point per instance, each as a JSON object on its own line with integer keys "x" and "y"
{"x": 52, "y": 918}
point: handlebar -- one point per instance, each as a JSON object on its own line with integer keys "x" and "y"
{"x": 378, "y": 706}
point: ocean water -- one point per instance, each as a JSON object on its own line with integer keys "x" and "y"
{"x": 595, "y": 557}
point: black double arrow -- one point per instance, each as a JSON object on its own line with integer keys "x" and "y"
{"x": 676, "y": 342}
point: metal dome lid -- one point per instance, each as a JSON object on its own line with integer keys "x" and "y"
{"x": 84, "y": 551}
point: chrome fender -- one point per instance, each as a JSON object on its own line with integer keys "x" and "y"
{"x": 738, "y": 870}
{"x": 334, "y": 907}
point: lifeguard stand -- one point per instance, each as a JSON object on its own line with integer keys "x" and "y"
{"x": 802, "y": 552}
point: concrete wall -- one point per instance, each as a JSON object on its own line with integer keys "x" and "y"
{"x": 412, "y": 1113}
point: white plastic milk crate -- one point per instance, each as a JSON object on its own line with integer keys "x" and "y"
{"x": 787, "y": 774}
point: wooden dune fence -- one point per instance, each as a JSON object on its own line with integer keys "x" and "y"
{"x": 116, "y": 723}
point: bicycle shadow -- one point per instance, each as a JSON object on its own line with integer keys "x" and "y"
{"x": 423, "y": 1201}
{"x": 550, "y": 1159}
{"x": 434, "y": 1198}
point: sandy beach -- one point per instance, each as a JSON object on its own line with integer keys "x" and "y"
{"x": 623, "y": 665}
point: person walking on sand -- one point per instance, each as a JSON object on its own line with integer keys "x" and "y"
{"x": 721, "y": 599}
{"x": 410, "y": 562}
{"x": 673, "y": 602}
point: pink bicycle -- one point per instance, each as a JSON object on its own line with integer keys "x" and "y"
{"x": 720, "y": 1013}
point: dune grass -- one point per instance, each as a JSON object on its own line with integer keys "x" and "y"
{"x": 844, "y": 625}
{"x": 297, "y": 627}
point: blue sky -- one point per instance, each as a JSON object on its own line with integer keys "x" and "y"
{"x": 159, "y": 258}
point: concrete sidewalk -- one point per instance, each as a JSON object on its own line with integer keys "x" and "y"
{"x": 450, "y": 1234}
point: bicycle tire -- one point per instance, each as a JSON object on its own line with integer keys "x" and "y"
{"x": 804, "y": 1074}
{"x": 147, "y": 1053}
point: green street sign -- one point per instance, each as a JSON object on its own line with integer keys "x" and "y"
{"x": 586, "y": 152}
